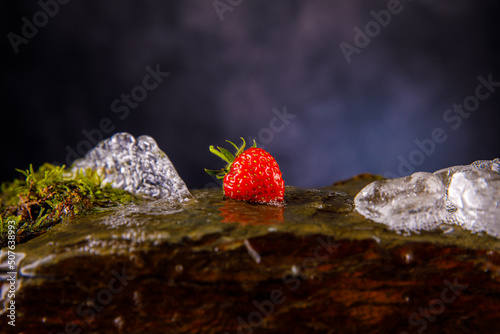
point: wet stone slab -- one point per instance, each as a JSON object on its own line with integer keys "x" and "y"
{"x": 208, "y": 265}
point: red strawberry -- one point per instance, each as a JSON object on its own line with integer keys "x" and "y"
{"x": 251, "y": 175}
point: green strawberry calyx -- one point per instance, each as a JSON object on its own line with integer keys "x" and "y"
{"x": 227, "y": 157}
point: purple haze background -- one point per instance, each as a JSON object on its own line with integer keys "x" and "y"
{"x": 226, "y": 77}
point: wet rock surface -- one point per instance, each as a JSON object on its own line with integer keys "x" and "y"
{"x": 208, "y": 265}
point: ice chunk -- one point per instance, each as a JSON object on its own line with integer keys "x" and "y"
{"x": 493, "y": 165}
{"x": 446, "y": 175}
{"x": 409, "y": 203}
{"x": 465, "y": 195}
{"x": 476, "y": 196}
{"x": 136, "y": 165}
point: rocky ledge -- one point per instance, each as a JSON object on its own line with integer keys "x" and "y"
{"x": 209, "y": 265}
{"x": 366, "y": 255}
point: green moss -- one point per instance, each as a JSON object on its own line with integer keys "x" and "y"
{"x": 46, "y": 196}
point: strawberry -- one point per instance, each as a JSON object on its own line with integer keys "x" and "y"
{"x": 251, "y": 175}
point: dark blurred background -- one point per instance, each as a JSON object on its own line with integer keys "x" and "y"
{"x": 274, "y": 71}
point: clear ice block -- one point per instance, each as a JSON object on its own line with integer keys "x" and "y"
{"x": 409, "y": 203}
{"x": 136, "y": 165}
{"x": 465, "y": 195}
{"x": 476, "y": 197}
